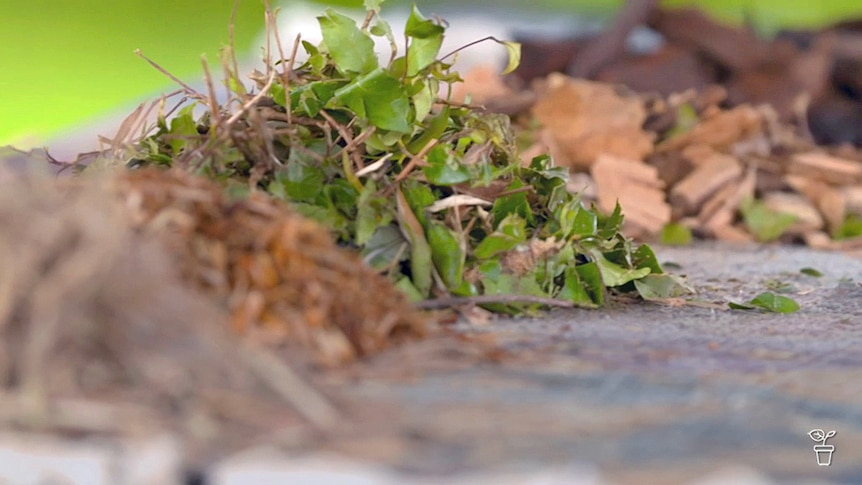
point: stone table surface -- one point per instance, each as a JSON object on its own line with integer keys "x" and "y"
{"x": 638, "y": 392}
{"x": 630, "y": 394}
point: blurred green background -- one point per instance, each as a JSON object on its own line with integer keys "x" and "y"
{"x": 64, "y": 61}
{"x": 67, "y": 61}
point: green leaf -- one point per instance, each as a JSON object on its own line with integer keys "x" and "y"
{"x": 674, "y": 234}
{"x": 644, "y": 257}
{"x": 446, "y": 253}
{"x": 372, "y": 213}
{"x": 765, "y": 223}
{"x": 510, "y": 233}
{"x": 610, "y": 226}
{"x": 423, "y": 100}
{"x": 420, "y": 257}
{"x": 514, "y": 49}
{"x": 350, "y": 48}
{"x": 661, "y": 286}
{"x": 301, "y": 182}
{"x": 443, "y": 167}
{"x": 184, "y": 129}
{"x": 383, "y": 247}
{"x": 811, "y": 272}
{"x": 434, "y": 129}
{"x": 775, "y": 303}
{"x": 583, "y": 285}
{"x": 409, "y": 289}
{"x": 585, "y": 222}
{"x": 379, "y": 97}
{"x": 426, "y": 37}
{"x": 770, "y": 302}
{"x": 516, "y": 203}
{"x": 852, "y": 227}
{"x": 614, "y": 274}
{"x": 372, "y": 5}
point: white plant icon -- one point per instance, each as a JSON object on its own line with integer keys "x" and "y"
{"x": 822, "y": 451}
{"x": 819, "y": 435}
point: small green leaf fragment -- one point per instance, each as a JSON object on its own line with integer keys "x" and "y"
{"x": 420, "y": 257}
{"x": 406, "y": 286}
{"x": 662, "y": 286}
{"x": 770, "y": 302}
{"x": 765, "y": 223}
{"x": 510, "y": 233}
{"x": 811, "y": 272}
{"x": 301, "y": 182}
{"x": 585, "y": 222}
{"x": 426, "y": 37}
{"x": 383, "y": 247}
{"x": 446, "y": 253}
{"x": 852, "y": 227}
{"x": 443, "y": 167}
{"x": 183, "y": 130}
{"x": 614, "y": 274}
{"x": 675, "y": 234}
{"x": 515, "y": 203}
{"x": 583, "y": 286}
{"x": 775, "y": 303}
{"x": 644, "y": 257}
{"x": 739, "y": 306}
{"x": 373, "y": 5}
{"x": 514, "y": 50}
{"x": 379, "y": 97}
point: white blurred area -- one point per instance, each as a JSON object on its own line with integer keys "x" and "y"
{"x": 465, "y": 24}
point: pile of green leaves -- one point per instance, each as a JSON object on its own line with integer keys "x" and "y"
{"x": 431, "y": 192}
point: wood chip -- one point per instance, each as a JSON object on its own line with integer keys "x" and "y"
{"x": 637, "y": 188}
{"x": 690, "y": 193}
{"x": 589, "y": 119}
{"x": 827, "y": 168}
{"x": 807, "y": 217}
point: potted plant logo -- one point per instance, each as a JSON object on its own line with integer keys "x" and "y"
{"x": 823, "y": 451}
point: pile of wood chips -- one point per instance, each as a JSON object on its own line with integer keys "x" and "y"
{"x": 682, "y": 158}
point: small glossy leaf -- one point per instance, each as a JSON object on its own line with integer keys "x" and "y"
{"x": 614, "y": 274}
{"x": 373, "y": 5}
{"x": 443, "y": 167}
{"x": 383, "y": 247}
{"x": 583, "y": 286}
{"x": 775, "y": 303}
{"x": 765, "y": 223}
{"x": 372, "y": 213}
{"x": 852, "y": 227}
{"x": 420, "y": 259}
{"x": 510, "y": 233}
{"x": 184, "y": 129}
{"x": 770, "y": 302}
{"x": 514, "y": 50}
{"x": 674, "y": 234}
{"x": 301, "y": 182}
{"x": 515, "y": 203}
{"x": 811, "y": 272}
{"x": 350, "y": 48}
{"x": 379, "y": 97}
{"x": 446, "y": 253}
{"x": 644, "y": 257}
{"x": 661, "y": 286}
